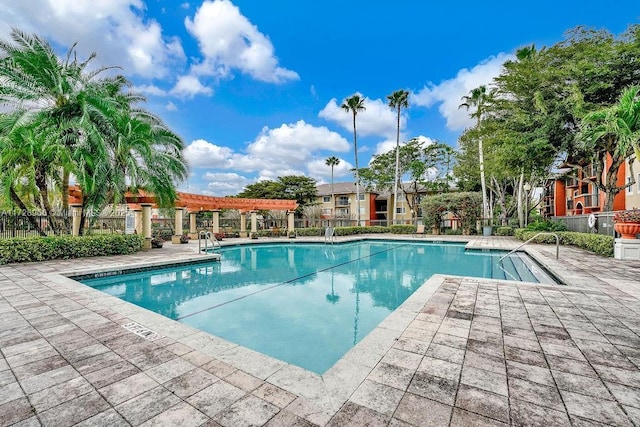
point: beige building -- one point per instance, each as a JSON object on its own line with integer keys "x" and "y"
{"x": 632, "y": 194}
{"x": 375, "y": 207}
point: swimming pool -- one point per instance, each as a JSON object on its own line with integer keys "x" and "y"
{"x": 305, "y": 304}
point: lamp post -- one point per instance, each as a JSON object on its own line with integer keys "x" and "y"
{"x": 527, "y": 188}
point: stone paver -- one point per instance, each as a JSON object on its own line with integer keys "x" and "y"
{"x": 468, "y": 352}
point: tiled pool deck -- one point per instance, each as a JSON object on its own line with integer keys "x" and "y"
{"x": 460, "y": 351}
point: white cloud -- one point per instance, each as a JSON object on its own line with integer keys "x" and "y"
{"x": 291, "y": 149}
{"x": 201, "y": 153}
{"x": 150, "y": 90}
{"x": 228, "y": 40}
{"x": 449, "y": 93}
{"x": 115, "y": 29}
{"x": 378, "y": 119}
{"x": 185, "y": 5}
{"x": 171, "y": 106}
{"x": 319, "y": 170}
{"x": 190, "y": 86}
{"x": 225, "y": 183}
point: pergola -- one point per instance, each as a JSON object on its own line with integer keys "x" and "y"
{"x": 142, "y": 202}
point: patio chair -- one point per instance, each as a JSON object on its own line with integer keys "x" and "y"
{"x": 419, "y": 231}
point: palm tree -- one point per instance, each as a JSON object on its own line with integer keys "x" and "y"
{"x": 613, "y": 131}
{"x": 397, "y": 100}
{"x": 332, "y": 161}
{"x": 72, "y": 122}
{"x": 355, "y": 104}
{"x": 479, "y": 98}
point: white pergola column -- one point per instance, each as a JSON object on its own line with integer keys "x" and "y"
{"x": 243, "y": 224}
{"x": 193, "y": 231}
{"x": 254, "y": 221}
{"x": 175, "y": 239}
{"x": 76, "y": 214}
{"x": 215, "y": 222}
{"x": 146, "y": 224}
{"x": 291, "y": 225}
{"x": 137, "y": 219}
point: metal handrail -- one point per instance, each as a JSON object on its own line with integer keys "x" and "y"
{"x": 207, "y": 237}
{"x": 539, "y": 234}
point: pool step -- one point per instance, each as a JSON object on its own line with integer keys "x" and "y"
{"x": 519, "y": 266}
{"x": 534, "y": 269}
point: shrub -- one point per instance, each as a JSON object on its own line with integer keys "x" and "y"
{"x": 400, "y": 229}
{"x": 596, "y": 243}
{"x": 66, "y": 247}
{"x": 504, "y": 231}
{"x": 546, "y": 225}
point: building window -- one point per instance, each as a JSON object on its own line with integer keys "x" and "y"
{"x": 326, "y": 211}
{"x": 629, "y": 189}
{"x": 361, "y": 196}
{"x": 402, "y": 210}
{"x": 326, "y": 199}
{"x": 362, "y": 211}
{"x": 342, "y": 201}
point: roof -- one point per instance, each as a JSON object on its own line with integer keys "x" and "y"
{"x": 341, "y": 188}
{"x": 198, "y": 202}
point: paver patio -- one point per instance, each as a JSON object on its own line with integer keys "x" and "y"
{"x": 460, "y": 351}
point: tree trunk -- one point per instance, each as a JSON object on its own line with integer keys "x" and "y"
{"x": 520, "y": 191}
{"x": 355, "y": 148}
{"x": 16, "y": 199}
{"x": 65, "y": 199}
{"x": 41, "y": 183}
{"x": 395, "y": 184}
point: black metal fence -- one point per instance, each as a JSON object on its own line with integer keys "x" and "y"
{"x": 37, "y": 225}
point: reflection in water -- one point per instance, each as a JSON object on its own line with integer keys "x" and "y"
{"x": 305, "y": 304}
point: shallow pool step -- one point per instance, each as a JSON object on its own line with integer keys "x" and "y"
{"x": 510, "y": 271}
{"x": 540, "y": 275}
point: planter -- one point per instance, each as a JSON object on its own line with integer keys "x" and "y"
{"x": 487, "y": 230}
{"x": 628, "y": 230}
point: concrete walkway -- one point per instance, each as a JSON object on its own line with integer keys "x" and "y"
{"x": 460, "y": 351}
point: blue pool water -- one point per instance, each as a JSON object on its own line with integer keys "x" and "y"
{"x": 305, "y": 304}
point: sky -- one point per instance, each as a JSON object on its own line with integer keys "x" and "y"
{"x": 254, "y": 87}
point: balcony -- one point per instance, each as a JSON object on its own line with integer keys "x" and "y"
{"x": 572, "y": 182}
{"x": 342, "y": 202}
{"x": 589, "y": 172}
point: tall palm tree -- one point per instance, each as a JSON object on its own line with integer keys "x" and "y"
{"x": 332, "y": 161}
{"x": 398, "y": 100}
{"x": 355, "y": 104}
{"x": 479, "y": 98}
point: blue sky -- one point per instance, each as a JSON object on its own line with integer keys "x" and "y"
{"x": 254, "y": 87}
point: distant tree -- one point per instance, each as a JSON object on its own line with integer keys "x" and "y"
{"x": 302, "y": 189}
{"x": 355, "y": 104}
{"x": 427, "y": 166}
{"x": 397, "y": 100}
{"x": 332, "y": 161}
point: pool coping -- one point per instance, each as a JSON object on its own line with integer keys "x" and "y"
{"x": 328, "y": 392}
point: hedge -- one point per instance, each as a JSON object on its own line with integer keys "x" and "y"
{"x": 65, "y": 247}
{"x": 596, "y": 243}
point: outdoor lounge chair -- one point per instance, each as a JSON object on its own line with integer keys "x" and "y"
{"x": 419, "y": 230}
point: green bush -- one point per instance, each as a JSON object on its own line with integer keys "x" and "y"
{"x": 66, "y": 247}
{"x": 596, "y": 243}
{"x": 546, "y": 225}
{"x": 504, "y": 231}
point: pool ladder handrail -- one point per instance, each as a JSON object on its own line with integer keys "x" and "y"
{"x": 207, "y": 236}
{"x": 528, "y": 241}
{"x": 329, "y": 234}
